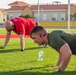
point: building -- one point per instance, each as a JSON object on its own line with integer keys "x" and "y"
{"x": 53, "y": 12}
{"x": 19, "y": 8}
{"x": 3, "y": 15}
{"x": 50, "y": 12}
{"x": 47, "y": 12}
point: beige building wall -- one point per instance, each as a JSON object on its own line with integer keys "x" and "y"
{"x": 32, "y": 13}
{"x": 1, "y": 17}
{"x": 13, "y": 14}
{"x": 59, "y": 14}
{"x": 72, "y": 10}
{"x": 28, "y": 11}
{"x": 5, "y": 16}
{"x": 49, "y": 15}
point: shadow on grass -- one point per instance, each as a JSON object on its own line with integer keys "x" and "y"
{"x": 32, "y": 48}
{"x": 24, "y": 72}
{"x": 8, "y": 50}
{"x": 16, "y": 50}
{"x": 37, "y": 71}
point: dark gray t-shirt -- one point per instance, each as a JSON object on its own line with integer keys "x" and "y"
{"x": 58, "y": 38}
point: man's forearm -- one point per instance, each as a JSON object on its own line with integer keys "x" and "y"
{"x": 64, "y": 64}
{"x": 7, "y": 39}
{"x": 66, "y": 54}
{"x": 59, "y": 60}
{"x": 22, "y": 42}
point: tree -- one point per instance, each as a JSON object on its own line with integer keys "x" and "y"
{"x": 71, "y": 16}
{"x": 62, "y": 18}
{"x": 74, "y": 16}
{"x": 53, "y": 18}
{"x": 26, "y": 16}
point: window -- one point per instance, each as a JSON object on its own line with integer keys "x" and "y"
{"x": 36, "y": 17}
{"x": 55, "y": 16}
{"x": 44, "y": 17}
{"x": 62, "y": 16}
{"x": 10, "y": 16}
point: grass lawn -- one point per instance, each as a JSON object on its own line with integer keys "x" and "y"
{"x": 3, "y": 31}
{"x": 14, "y": 62}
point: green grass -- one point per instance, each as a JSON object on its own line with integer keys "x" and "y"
{"x": 3, "y": 31}
{"x": 14, "y": 62}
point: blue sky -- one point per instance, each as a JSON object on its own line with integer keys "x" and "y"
{"x": 4, "y": 3}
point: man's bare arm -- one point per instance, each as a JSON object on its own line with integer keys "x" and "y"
{"x": 66, "y": 53}
{"x": 6, "y": 39}
{"x": 59, "y": 60}
{"x": 22, "y": 42}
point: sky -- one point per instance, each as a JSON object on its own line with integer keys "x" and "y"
{"x": 4, "y": 3}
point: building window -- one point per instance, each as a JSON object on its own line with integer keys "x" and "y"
{"x": 55, "y": 16}
{"x": 62, "y": 16}
{"x": 10, "y": 17}
{"x": 36, "y": 17}
{"x": 44, "y": 17}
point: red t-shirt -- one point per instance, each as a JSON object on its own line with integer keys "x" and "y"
{"x": 23, "y": 25}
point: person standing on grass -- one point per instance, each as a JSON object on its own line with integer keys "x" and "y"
{"x": 64, "y": 43}
{"x": 20, "y": 26}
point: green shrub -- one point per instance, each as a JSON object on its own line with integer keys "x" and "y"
{"x": 26, "y": 16}
{"x": 1, "y": 23}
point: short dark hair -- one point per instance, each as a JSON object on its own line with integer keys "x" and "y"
{"x": 36, "y": 29}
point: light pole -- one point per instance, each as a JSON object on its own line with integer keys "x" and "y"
{"x": 38, "y": 10}
{"x": 68, "y": 15}
{"x": 41, "y": 14}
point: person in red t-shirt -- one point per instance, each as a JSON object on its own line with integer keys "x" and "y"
{"x": 21, "y": 26}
